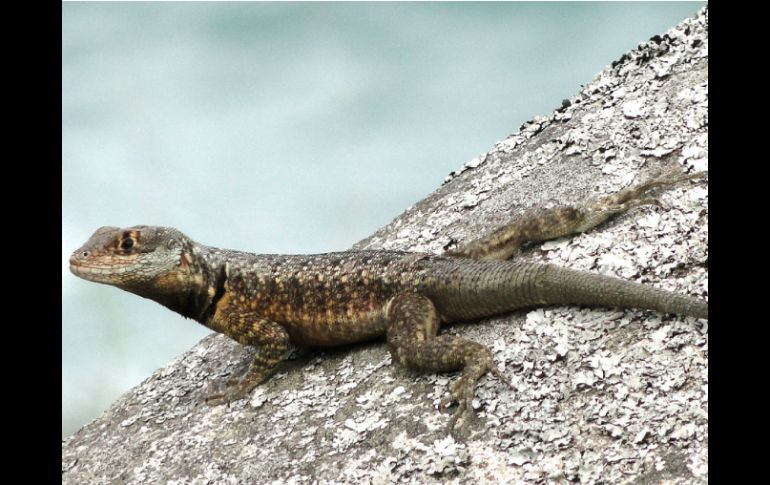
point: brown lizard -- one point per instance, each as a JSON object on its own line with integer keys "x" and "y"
{"x": 272, "y": 301}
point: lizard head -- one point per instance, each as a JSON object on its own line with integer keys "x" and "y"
{"x": 140, "y": 259}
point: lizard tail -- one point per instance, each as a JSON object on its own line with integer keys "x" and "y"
{"x": 567, "y": 286}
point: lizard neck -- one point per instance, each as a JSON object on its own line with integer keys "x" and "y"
{"x": 194, "y": 288}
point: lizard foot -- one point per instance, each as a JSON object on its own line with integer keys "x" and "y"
{"x": 237, "y": 388}
{"x": 462, "y": 390}
{"x": 633, "y": 196}
{"x": 234, "y": 389}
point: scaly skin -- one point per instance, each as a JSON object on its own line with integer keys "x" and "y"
{"x": 272, "y": 301}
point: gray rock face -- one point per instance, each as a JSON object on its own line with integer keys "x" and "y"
{"x": 599, "y": 394}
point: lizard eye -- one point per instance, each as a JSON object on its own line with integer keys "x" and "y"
{"x": 172, "y": 244}
{"x": 128, "y": 241}
{"x": 126, "y": 244}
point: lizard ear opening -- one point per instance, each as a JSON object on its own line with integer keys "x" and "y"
{"x": 184, "y": 263}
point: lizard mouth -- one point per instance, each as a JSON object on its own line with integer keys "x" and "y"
{"x": 95, "y": 274}
{"x": 86, "y": 272}
{"x": 81, "y": 268}
{"x": 75, "y": 265}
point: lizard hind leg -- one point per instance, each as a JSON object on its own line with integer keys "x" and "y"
{"x": 543, "y": 224}
{"x": 413, "y": 342}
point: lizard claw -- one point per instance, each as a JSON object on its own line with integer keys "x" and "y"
{"x": 461, "y": 391}
{"x": 463, "y": 416}
{"x": 215, "y": 399}
{"x": 495, "y": 372}
{"x": 651, "y": 201}
{"x": 237, "y": 388}
{"x": 460, "y": 419}
{"x": 233, "y": 390}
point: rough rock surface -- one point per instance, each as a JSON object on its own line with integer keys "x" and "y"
{"x": 600, "y": 395}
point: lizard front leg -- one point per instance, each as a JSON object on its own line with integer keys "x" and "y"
{"x": 272, "y": 343}
{"x": 543, "y": 224}
{"x": 413, "y": 323}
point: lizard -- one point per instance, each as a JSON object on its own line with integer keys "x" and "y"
{"x": 274, "y": 301}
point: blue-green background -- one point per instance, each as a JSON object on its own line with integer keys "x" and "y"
{"x": 277, "y": 127}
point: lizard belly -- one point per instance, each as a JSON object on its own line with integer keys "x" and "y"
{"x": 342, "y": 330}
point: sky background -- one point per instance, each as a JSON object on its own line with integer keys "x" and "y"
{"x": 287, "y": 128}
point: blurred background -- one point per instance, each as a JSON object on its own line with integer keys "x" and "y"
{"x": 287, "y": 128}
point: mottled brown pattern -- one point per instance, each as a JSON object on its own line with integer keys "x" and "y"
{"x": 271, "y": 301}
